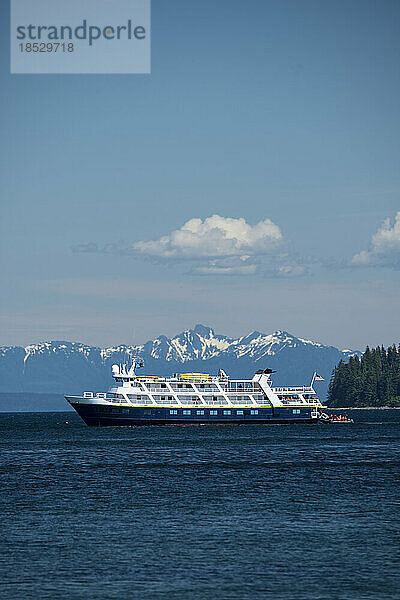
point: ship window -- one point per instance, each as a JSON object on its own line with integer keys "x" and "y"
{"x": 227, "y": 412}
{"x": 296, "y": 411}
{"x": 163, "y": 385}
{"x": 190, "y": 399}
{"x": 180, "y": 386}
{"x": 173, "y": 412}
{"x": 213, "y": 412}
{"x": 215, "y": 400}
{"x": 200, "y": 412}
{"x": 140, "y": 399}
{"x": 254, "y": 412}
{"x": 239, "y": 412}
{"x": 240, "y": 399}
{"x": 186, "y": 412}
{"x": 163, "y": 399}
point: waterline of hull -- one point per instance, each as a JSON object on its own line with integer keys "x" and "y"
{"x": 161, "y": 416}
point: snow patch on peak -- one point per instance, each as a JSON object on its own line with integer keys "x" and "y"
{"x": 312, "y": 343}
{"x": 351, "y": 353}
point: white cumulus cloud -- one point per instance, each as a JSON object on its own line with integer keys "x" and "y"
{"x": 384, "y": 249}
{"x": 215, "y": 237}
{"x": 216, "y": 246}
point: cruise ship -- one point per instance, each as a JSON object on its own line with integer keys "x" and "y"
{"x": 189, "y": 398}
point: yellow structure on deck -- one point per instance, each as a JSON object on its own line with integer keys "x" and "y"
{"x": 199, "y": 376}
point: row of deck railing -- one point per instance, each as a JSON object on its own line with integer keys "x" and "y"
{"x": 193, "y": 401}
{"x": 202, "y": 391}
{"x": 293, "y": 389}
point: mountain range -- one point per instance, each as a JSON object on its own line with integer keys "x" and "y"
{"x": 59, "y": 367}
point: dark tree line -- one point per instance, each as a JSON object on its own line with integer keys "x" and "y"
{"x": 373, "y": 380}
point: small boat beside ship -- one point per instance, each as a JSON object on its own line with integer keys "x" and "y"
{"x": 335, "y": 419}
{"x": 200, "y": 398}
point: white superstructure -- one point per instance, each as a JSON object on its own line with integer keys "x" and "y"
{"x": 198, "y": 390}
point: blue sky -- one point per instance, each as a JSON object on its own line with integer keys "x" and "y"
{"x": 280, "y": 110}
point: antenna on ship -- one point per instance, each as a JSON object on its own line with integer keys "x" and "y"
{"x": 137, "y": 363}
{"x": 132, "y": 367}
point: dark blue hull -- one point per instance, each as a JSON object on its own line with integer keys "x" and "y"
{"x": 105, "y": 416}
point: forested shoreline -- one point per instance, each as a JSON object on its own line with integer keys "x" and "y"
{"x": 372, "y": 380}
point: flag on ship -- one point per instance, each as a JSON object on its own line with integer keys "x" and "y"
{"x": 318, "y": 377}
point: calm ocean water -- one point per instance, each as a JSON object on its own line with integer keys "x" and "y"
{"x": 199, "y": 512}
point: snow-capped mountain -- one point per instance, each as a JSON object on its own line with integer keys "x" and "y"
{"x": 202, "y": 343}
{"x": 62, "y": 367}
